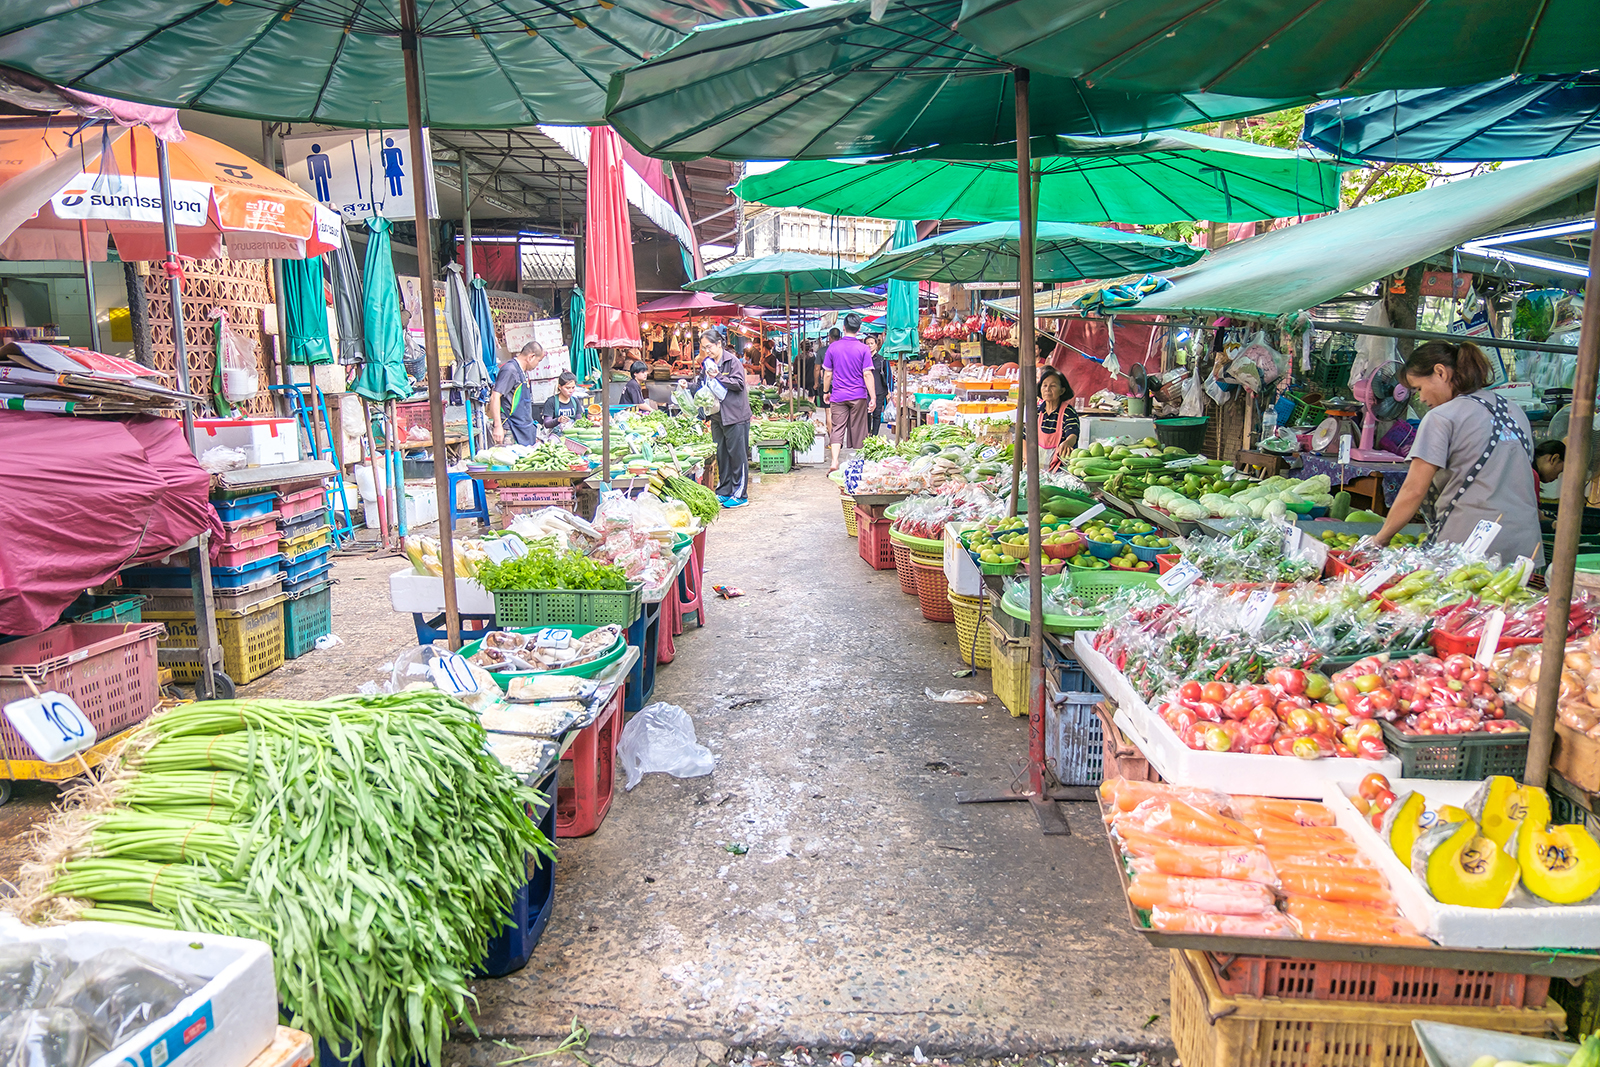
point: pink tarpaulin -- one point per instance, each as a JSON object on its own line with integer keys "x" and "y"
{"x": 1136, "y": 344}
{"x": 85, "y": 498}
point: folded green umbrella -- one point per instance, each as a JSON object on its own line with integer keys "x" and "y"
{"x": 1160, "y": 177}
{"x": 1063, "y": 251}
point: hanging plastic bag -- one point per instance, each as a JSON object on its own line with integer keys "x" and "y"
{"x": 1267, "y": 360}
{"x": 1194, "y": 397}
{"x": 661, "y": 738}
{"x": 241, "y": 379}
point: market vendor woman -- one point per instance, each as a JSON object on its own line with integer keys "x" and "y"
{"x": 1472, "y": 459}
{"x": 1058, "y": 423}
{"x": 562, "y": 409}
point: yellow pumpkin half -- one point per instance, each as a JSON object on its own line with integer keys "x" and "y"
{"x": 1499, "y": 806}
{"x": 1560, "y": 864}
{"x": 1462, "y": 867}
{"x": 1402, "y": 824}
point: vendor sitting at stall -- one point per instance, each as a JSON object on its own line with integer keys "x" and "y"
{"x": 1549, "y": 460}
{"x": 563, "y": 409}
{"x": 1058, "y": 422}
{"x": 633, "y": 389}
{"x": 1472, "y": 459}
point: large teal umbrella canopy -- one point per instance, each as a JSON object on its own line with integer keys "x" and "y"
{"x": 835, "y": 81}
{"x": 1286, "y": 47}
{"x": 904, "y": 317}
{"x": 826, "y": 299}
{"x": 773, "y": 276}
{"x": 1063, "y": 251}
{"x": 489, "y": 63}
{"x": 1162, "y": 177}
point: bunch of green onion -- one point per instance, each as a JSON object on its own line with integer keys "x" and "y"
{"x": 374, "y": 843}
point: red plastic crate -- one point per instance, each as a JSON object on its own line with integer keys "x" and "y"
{"x": 302, "y": 503}
{"x": 1375, "y": 983}
{"x": 1166, "y": 561}
{"x": 872, "y": 541}
{"x": 581, "y": 807}
{"x": 237, "y": 555}
{"x": 108, "y": 669}
{"x": 550, "y": 494}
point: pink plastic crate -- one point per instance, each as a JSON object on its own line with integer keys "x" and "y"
{"x": 248, "y": 552}
{"x": 302, "y": 503}
{"x": 108, "y": 669}
{"x": 246, "y": 531}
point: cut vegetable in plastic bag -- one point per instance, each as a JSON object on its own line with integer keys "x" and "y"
{"x": 44, "y": 1037}
{"x": 29, "y": 975}
{"x": 119, "y": 992}
{"x": 661, "y": 738}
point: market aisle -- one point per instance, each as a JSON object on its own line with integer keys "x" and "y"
{"x": 870, "y": 909}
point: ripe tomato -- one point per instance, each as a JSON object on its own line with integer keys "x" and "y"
{"x": 1215, "y": 692}
{"x": 1372, "y": 785}
{"x": 1190, "y": 692}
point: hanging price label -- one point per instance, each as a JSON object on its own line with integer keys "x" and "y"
{"x": 1374, "y": 578}
{"x": 1293, "y": 537}
{"x": 1086, "y": 516}
{"x": 1482, "y": 536}
{"x": 1179, "y": 578}
{"x": 53, "y": 725}
{"x": 1314, "y": 552}
{"x": 502, "y": 549}
{"x": 990, "y": 452}
{"x": 1256, "y": 610}
{"x": 1344, "y": 449}
{"x": 449, "y": 674}
{"x": 1526, "y": 566}
{"x": 1492, "y": 627}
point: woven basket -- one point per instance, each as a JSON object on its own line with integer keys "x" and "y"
{"x": 902, "y": 568}
{"x": 933, "y": 591}
{"x": 849, "y": 514}
{"x": 970, "y": 613}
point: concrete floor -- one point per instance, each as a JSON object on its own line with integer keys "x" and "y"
{"x": 823, "y": 889}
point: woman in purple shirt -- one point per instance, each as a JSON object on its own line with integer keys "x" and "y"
{"x": 851, "y": 388}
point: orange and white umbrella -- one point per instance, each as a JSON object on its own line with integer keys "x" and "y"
{"x": 219, "y": 197}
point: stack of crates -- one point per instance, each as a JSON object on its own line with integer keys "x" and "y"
{"x": 247, "y": 592}
{"x": 525, "y": 500}
{"x": 305, "y": 540}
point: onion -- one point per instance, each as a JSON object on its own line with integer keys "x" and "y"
{"x": 1571, "y": 685}
{"x": 1580, "y": 662}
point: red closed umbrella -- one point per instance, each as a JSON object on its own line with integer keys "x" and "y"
{"x": 611, "y": 301}
{"x": 696, "y": 305}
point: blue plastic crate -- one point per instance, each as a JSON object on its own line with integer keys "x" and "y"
{"x": 1073, "y": 745}
{"x": 307, "y": 580}
{"x": 245, "y": 507}
{"x": 645, "y": 635}
{"x": 1066, "y": 673}
{"x": 510, "y": 949}
{"x": 221, "y": 577}
{"x": 296, "y": 568}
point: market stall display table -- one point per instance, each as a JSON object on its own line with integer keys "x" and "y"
{"x": 1378, "y": 481}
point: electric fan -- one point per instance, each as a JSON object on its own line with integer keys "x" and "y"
{"x": 1383, "y": 395}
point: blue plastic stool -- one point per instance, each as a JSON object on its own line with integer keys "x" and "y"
{"x": 644, "y": 635}
{"x": 480, "y": 501}
{"x": 431, "y": 630}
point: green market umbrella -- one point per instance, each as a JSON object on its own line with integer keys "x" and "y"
{"x": 1064, "y": 251}
{"x": 383, "y": 374}
{"x": 904, "y": 316}
{"x": 829, "y": 299}
{"x": 489, "y": 65}
{"x": 1285, "y": 47}
{"x": 585, "y": 360}
{"x": 1161, "y": 177}
{"x": 835, "y": 81}
{"x": 306, "y": 310}
{"x": 774, "y": 275}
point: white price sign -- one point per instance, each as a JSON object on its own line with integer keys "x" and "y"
{"x": 1086, "y": 516}
{"x": 1482, "y": 536}
{"x": 1374, "y": 578}
{"x": 501, "y": 549}
{"x": 550, "y": 637}
{"x": 1293, "y": 538}
{"x": 1314, "y": 551}
{"x": 1179, "y": 578}
{"x": 1526, "y": 566}
{"x": 1492, "y": 627}
{"x": 1180, "y": 464}
{"x": 449, "y": 674}
{"x": 1256, "y": 610}
{"x": 1344, "y": 449}
{"x": 53, "y": 725}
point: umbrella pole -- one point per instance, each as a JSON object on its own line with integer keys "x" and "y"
{"x": 1569, "y": 523}
{"x": 466, "y": 249}
{"x": 174, "y": 269}
{"x": 426, "y": 268}
{"x": 790, "y": 346}
{"x": 605, "y": 415}
{"x": 88, "y": 286}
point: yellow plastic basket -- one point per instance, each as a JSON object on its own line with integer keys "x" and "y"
{"x": 1210, "y": 1029}
{"x": 252, "y": 640}
{"x": 971, "y": 613}
{"x": 1008, "y": 659}
{"x": 306, "y": 542}
{"x": 849, "y": 514}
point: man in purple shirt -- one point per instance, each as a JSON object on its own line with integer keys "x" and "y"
{"x": 850, "y": 387}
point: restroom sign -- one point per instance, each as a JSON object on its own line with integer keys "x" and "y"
{"x": 362, "y": 173}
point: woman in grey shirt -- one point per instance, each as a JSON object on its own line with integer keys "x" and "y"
{"x": 1472, "y": 458}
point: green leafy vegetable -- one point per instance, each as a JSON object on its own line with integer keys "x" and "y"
{"x": 545, "y": 568}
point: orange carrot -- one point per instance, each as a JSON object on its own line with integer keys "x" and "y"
{"x": 1244, "y": 863}
{"x": 1329, "y": 887}
{"x": 1312, "y": 836}
{"x": 1188, "y": 920}
{"x": 1313, "y": 909}
{"x": 1297, "y": 812}
{"x": 1360, "y": 875}
{"x": 1221, "y": 896}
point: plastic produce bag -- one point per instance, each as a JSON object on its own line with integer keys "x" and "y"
{"x": 43, "y": 1037}
{"x": 661, "y": 738}
{"x": 241, "y": 379}
{"x": 29, "y": 975}
{"x": 119, "y": 992}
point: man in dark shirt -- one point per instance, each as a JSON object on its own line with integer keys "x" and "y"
{"x": 511, "y": 391}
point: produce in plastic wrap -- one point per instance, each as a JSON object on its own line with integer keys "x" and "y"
{"x": 118, "y": 993}
{"x": 29, "y": 975}
{"x": 43, "y": 1037}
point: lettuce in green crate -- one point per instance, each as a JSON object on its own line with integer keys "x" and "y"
{"x": 545, "y": 568}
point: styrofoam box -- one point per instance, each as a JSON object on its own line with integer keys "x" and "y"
{"x": 413, "y": 592}
{"x": 1522, "y": 923}
{"x": 1230, "y": 772}
{"x": 962, "y": 574}
{"x": 263, "y": 441}
{"x": 815, "y": 453}
{"x": 225, "y": 1024}
{"x": 1098, "y": 428}
{"x": 330, "y": 376}
{"x": 422, "y": 508}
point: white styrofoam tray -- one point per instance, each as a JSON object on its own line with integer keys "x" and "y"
{"x": 1444, "y": 1045}
{"x": 413, "y": 592}
{"x": 960, "y": 572}
{"x": 1230, "y": 772}
{"x": 227, "y": 1023}
{"x": 1522, "y": 923}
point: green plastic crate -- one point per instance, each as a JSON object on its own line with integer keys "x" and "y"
{"x": 514, "y": 608}
{"x": 106, "y": 609}
{"x": 775, "y": 459}
{"x": 1460, "y": 757}
{"x": 306, "y": 617}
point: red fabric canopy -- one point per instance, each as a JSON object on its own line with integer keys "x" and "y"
{"x": 1136, "y": 344}
{"x": 86, "y": 498}
{"x": 611, "y": 303}
{"x": 680, "y": 306}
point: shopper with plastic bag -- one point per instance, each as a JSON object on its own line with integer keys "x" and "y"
{"x": 722, "y": 375}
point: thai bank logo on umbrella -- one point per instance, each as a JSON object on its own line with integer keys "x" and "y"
{"x": 265, "y": 214}
{"x": 137, "y": 199}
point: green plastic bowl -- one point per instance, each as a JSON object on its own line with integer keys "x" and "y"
{"x": 582, "y": 670}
